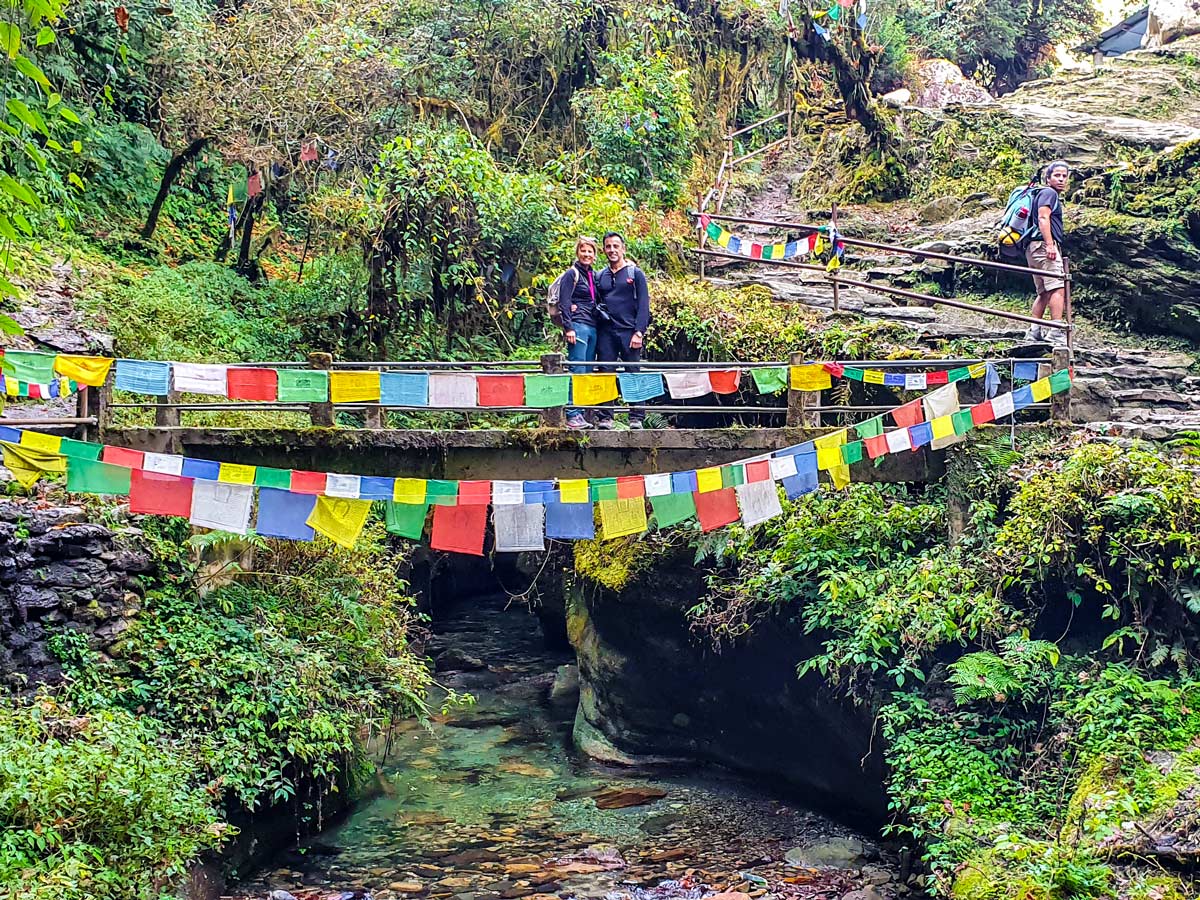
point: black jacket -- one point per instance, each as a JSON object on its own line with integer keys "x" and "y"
{"x": 583, "y": 297}
{"x": 626, "y": 296}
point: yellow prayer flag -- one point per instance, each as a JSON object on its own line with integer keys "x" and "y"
{"x": 340, "y": 519}
{"x": 812, "y": 377}
{"x": 839, "y": 476}
{"x": 573, "y": 490}
{"x": 943, "y": 426}
{"x": 778, "y": 251}
{"x": 12, "y": 387}
{"x": 590, "y": 390}
{"x": 834, "y": 439}
{"x": 236, "y": 473}
{"x": 619, "y": 518}
{"x": 708, "y": 479}
{"x": 409, "y": 490}
{"x": 28, "y": 463}
{"x": 47, "y": 443}
{"x": 977, "y": 371}
{"x": 873, "y": 376}
{"x": 723, "y": 240}
{"x": 1040, "y": 390}
{"x": 829, "y": 458}
{"x": 89, "y": 370}
{"x": 353, "y": 387}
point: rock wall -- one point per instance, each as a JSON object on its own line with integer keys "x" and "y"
{"x": 59, "y": 571}
{"x": 651, "y": 692}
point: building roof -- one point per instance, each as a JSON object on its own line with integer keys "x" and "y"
{"x": 1136, "y": 23}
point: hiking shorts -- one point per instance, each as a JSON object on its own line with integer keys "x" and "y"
{"x": 1035, "y": 256}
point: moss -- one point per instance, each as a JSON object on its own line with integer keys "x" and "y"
{"x": 613, "y": 564}
{"x": 980, "y": 879}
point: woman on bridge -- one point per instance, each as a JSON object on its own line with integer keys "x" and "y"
{"x": 579, "y": 316}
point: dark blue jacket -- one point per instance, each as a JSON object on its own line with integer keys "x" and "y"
{"x": 582, "y": 297}
{"x": 626, "y": 296}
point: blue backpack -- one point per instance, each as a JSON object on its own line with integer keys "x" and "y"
{"x": 1018, "y": 225}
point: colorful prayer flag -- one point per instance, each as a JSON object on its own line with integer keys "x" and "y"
{"x": 141, "y": 377}
{"x": 159, "y": 495}
{"x": 302, "y": 385}
{"x": 724, "y": 381}
{"x": 404, "y": 389}
{"x": 235, "y": 473}
{"x": 452, "y": 391}
{"x": 759, "y": 501}
{"x": 547, "y": 391}
{"x": 622, "y": 517}
{"x": 339, "y": 519}
{"x": 459, "y": 529}
{"x": 501, "y": 390}
{"x": 224, "y": 507}
{"x": 570, "y": 521}
{"x": 708, "y": 480}
{"x": 250, "y": 384}
{"x": 687, "y": 385}
{"x": 811, "y": 377}
{"x": 592, "y": 390}
{"x": 638, "y": 387}
{"x": 671, "y": 509}
{"x": 519, "y": 529}
{"x": 353, "y": 387}
{"x": 716, "y": 509}
{"x": 770, "y": 380}
{"x": 89, "y": 370}
{"x": 406, "y": 519}
{"x": 282, "y": 514}
{"x": 197, "y": 378}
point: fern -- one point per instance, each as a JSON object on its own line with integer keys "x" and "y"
{"x": 1012, "y": 674}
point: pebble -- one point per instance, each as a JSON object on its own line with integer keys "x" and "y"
{"x": 407, "y": 887}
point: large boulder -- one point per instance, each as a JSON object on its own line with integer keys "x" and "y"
{"x": 1170, "y": 20}
{"x": 940, "y": 83}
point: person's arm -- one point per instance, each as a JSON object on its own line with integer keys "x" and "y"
{"x": 643, "y": 308}
{"x": 564, "y": 307}
{"x": 1044, "y": 213}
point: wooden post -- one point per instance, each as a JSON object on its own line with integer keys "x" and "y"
{"x": 83, "y": 401}
{"x": 98, "y": 402}
{"x": 1060, "y": 404}
{"x": 373, "y": 418}
{"x": 556, "y": 416}
{"x": 321, "y": 414}
{"x": 166, "y": 411}
{"x": 1067, "y": 309}
{"x": 799, "y": 415}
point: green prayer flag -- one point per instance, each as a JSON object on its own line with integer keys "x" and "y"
{"x": 958, "y": 374}
{"x": 767, "y": 250}
{"x": 961, "y": 421}
{"x": 280, "y": 479}
{"x": 772, "y": 380}
{"x": 732, "y": 476}
{"x": 870, "y": 428}
{"x": 852, "y": 452}
{"x": 835, "y": 12}
{"x": 671, "y": 509}
{"x": 303, "y": 386}
{"x": 30, "y": 365}
{"x": 602, "y": 489}
{"x": 406, "y": 519}
{"x": 852, "y": 373}
{"x": 441, "y": 493}
{"x": 545, "y": 391}
{"x": 1060, "y": 381}
{"x": 714, "y": 231}
{"x": 80, "y": 449}
{"x": 85, "y": 476}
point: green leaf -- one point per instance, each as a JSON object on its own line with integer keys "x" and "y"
{"x": 14, "y": 188}
{"x": 55, "y": 145}
{"x": 45, "y": 36}
{"x": 7, "y": 288}
{"x": 27, "y": 115}
{"x": 75, "y": 180}
{"x": 32, "y": 72}
{"x": 9, "y": 129}
{"x": 22, "y": 223}
{"x": 9, "y": 325}
{"x": 69, "y": 114}
{"x": 10, "y": 39}
{"x": 7, "y": 230}
{"x": 77, "y": 146}
{"x": 53, "y": 100}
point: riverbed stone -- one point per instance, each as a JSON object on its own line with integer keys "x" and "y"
{"x": 829, "y": 852}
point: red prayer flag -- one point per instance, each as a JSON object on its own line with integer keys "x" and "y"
{"x": 758, "y": 471}
{"x": 982, "y": 412}
{"x": 35, "y": 392}
{"x": 475, "y": 493}
{"x": 308, "y": 152}
{"x": 876, "y": 446}
{"x": 812, "y": 241}
{"x": 835, "y": 369}
{"x": 306, "y": 482}
{"x": 716, "y": 508}
{"x": 630, "y": 486}
{"x": 155, "y": 494}
{"x": 909, "y": 414}
{"x": 459, "y": 529}
{"x": 756, "y": 251}
{"x": 252, "y": 384}
{"x": 937, "y": 378}
{"x": 704, "y": 220}
{"x": 724, "y": 381}
{"x": 501, "y": 390}
{"x": 119, "y": 456}
{"x": 254, "y": 185}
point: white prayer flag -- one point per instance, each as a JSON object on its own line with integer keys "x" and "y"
{"x": 685, "y": 385}
{"x": 759, "y": 501}
{"x": 915, "y": 381}
{"x": 347, "y": 486}
{"x": 220, "y": 505}
{"x": 452, "y": 391}
{"x": 508, "y": 493}
{"x": 898, "y": 440}
{"x": 942, "y": 402}
{"x": 782, "y": 467}
{"x": 198, "y": 378}
{"x": 163, "y": 463}
{"x": 519, "y": 528}
{"x": 1002, "y": 405}
{"x": 658, "y": 485}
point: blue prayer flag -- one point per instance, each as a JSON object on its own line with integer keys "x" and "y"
{"x": 792, "y": 248}
{"x": 861, "y": 20}
{"x": 143, "y": 377}
{"x": 920, "y": 434}
{"x": 735, "y": 245}
{"x": 205, "y": 469}
{"x": 570, "y": 521}
{"x": 991, "y": 381}
{"x": 404, "y": 389}
{"x": 800, "y": 484}
{"x": 806, "y": 461}
{"x": 540, "y": 492}
{"x": 282, "y": 514}
{"x": 11, "y": 435}
{"x": 797, "y": 449}
{"x": 684, "y": 482}
{"x": 637, "y": 387}
{"x": 891, "y": 379}
{"x": 1022, "y": 397}
{"x": 1025, "y": 371}
{"x": 371, "y": 487}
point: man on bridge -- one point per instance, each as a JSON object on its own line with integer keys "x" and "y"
{"x": 626, "y": 297}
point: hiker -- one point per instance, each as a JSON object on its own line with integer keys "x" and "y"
{"x": 1044, "y": 252}
{"x": 624, "y": 317}
{"x": 579, "y": 318}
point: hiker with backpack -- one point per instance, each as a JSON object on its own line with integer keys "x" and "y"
{"x": 1032, "y": 227}
{"x": 572, "y": 304}
{"x": 624, "y": 319}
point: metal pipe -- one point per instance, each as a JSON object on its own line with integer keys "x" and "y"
{"x": 733, "y": 134}
{"x": 874, "y": 245}
{"x": 35, "y": 423}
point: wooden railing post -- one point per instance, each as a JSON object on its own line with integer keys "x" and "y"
{"x": 320, "y": 414}
{"x": 556, "y": 416}
{"x": 1060, "y": 404}
{"x": 166, "y": 409}
{"x": 799, "y": 414}
{"x": 373, "y": 417}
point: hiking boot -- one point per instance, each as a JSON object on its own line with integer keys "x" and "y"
{"x": 577, "y": 421}
{"x": 605, "y": 424}
{"x": 1034, "y": 333}
{"x": 1055, "y": 337}
{"x": 636, "y": 424}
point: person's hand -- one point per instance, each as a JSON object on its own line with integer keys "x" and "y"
{"x": 1051, "y": 251}
{"x": 574, "y": 307}
{"x": 635, "y": 342}
{"x": 570, "y": 336}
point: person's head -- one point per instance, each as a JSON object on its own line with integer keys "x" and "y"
{"x": 614, "y": 247}
{"x": 585, "y": 250}
{"x": 1056, "y": 175}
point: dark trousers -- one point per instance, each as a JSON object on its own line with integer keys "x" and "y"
{"x": 612, "y": 345}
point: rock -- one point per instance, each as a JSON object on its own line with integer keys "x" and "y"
{"x": 660, "y": 823}
{"x": 829, "y": 852}
{"x": 455, "y": 660}
{"x": 866, "y": 893}
{"x": 1170, "y": 20}
{"x": 939, "y": 210}
{"x": 455, "y": 883}
{"x": 565, "y": 690}
{"x": 516, "y": 767}
{"x": 897, "y": 98}
{"x": 942, "y": 83}
{"x": 620, "y": 797}
{"x": 729, "y": 895}
{"x": 522, "y": 868}
{"x": 280, "y": 895}
{"x": 669, "y": 855}
{"x": 407, "y": 887}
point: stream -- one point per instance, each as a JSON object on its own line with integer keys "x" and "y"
{"x": 491, "y": 802}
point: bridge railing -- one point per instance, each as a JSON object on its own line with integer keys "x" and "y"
{"x": 797, "y": 408}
